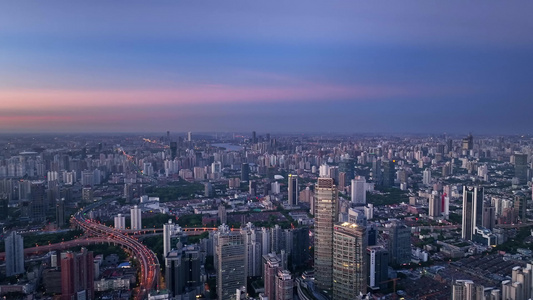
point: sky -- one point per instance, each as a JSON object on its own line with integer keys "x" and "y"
{"x": 268, "y": 66}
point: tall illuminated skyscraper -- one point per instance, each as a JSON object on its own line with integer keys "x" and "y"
{"x": 472, "y": 210}
{"x": 349, "y": 261}
{"x": 325, "y": 217}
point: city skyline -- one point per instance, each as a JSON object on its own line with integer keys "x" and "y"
{"x": 278, "y": 67}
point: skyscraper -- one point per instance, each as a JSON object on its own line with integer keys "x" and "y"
{"x": 426, "y": 178}
{"x": 349, "y": 261}
{"x": 230, "y": 262}
{"x": 378, "y": 265}
{"x": 325, "y": 217}
{"x": 136, "y": 219}
{"x": 435, "y": 203}
{"x": 472, "y": 210}
{"x": 182, "y": 272}
{"x": 77, "y": 275}
{"x": 14, "y": 254}
{"x": 245, "y": 172}
{"x": 388, "y": 173}
{"x": 38, "y": 201}
{"x": 520, "y": 167}
{"x": 359, "y": 190}
{"x": 293, "y": 190}
{"x": 189, "y": 136}
{"x": 520, "y": 206}
{"x": 399, "y": 243}
{"x": 172, "y": 235}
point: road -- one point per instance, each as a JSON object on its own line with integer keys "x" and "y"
{"x": 147, "y": 259}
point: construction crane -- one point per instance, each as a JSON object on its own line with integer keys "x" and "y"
{"x": 394, "y": 295}
{"x": 424, "y": 297}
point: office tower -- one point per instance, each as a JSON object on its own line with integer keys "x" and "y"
{"x": 284, "y": 285}
{"x": 120, "y": 222}
{"x": 293, "y": 190}
{"x": 435, "y": 203}
{"x": 300, "y": 247}
{"x": 14, "y": 244}
{"x": 182, "y": 271}
{"x": 136, "y": 219}
{"x": 520, "y": 206}
{"x": 378, "y": 267}
{"x": 468, "y": 142}
{"x": 347, "y": 165}
{"x": 230, "y": 262}
{"x": 245, "y": 172}
{"x": 399, "y": 243}
{"x": 467, "y": 290}
{"x": 254, "y": 137}
{"x": 275, "y": 187}
{"x": 349, "y": 261}
{"x": 359, "y": 191}
{"x": 325, "y": 216}
{"x": 189, "y": 136}
{"x": 173, "y": 150}
{"x": 271, "y": 265}
{"x": 60, "y": 212}
{"x": 39, "y": 205}
{"x": 426, "y": 177}
{"x": 388, "y": 173}
{"x": 472, "y": 210}
{"x": 489, "y": 217}
{"x": 173, "y": 236}
{"x": 520, "y": 167}
{"x": 222, "y": 214}
{"x": 77, "y": 275}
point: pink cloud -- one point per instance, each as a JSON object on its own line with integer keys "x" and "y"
{"x": 68, "y": 100}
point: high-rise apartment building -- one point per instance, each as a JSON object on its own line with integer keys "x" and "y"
{"x": 120, "y": 222}
{"x": 520, "y": 206}
{"x": 467, "y": 290}
{"x": 472, "y": 210}
{"x": 77, "y": 275}
{"x": 349, "y": 261}
{"x": 326, "y": 212}
{"x": 14, "y": 254}
{"x": 293, "y": 190}
{"x": 284, "y": 285}
{"x": 359, "y": 190}
{"x": 136, "y": 219}
{"x": 271, "y": 265}
{"x": 230, "y": 262}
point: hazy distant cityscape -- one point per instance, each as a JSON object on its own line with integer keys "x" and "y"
{"x": 263, "y": 216}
